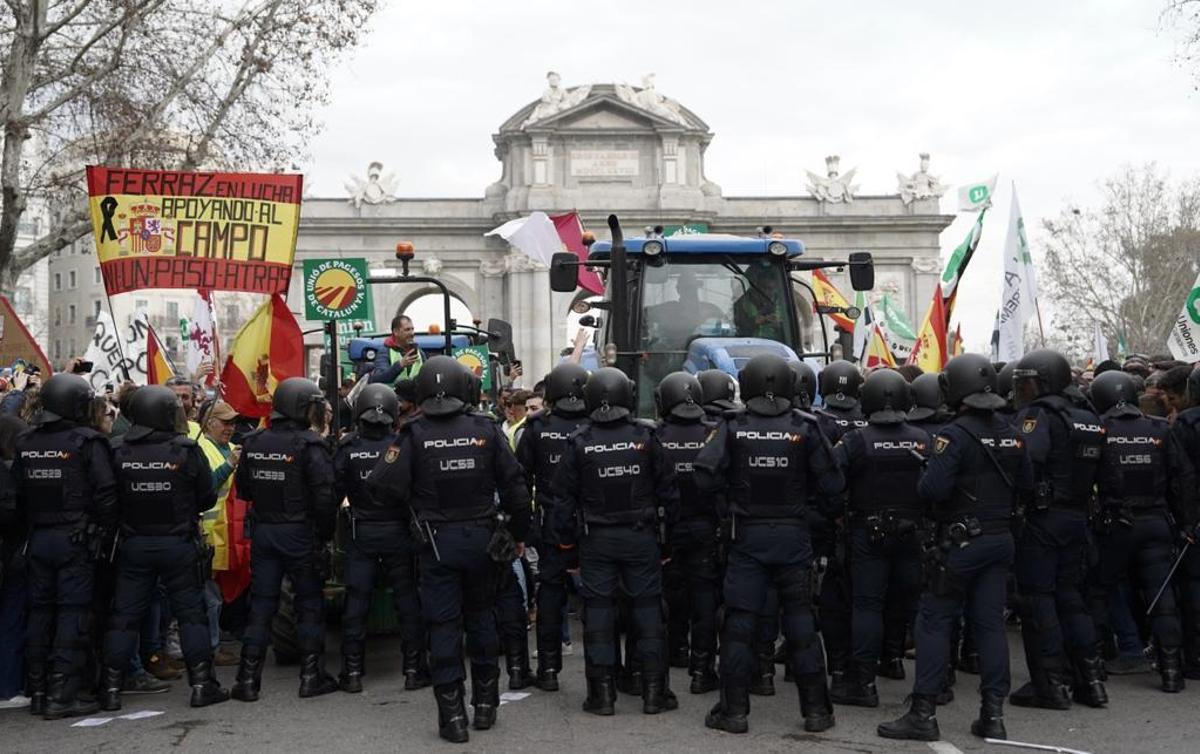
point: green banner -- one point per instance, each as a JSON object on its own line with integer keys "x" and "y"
{"x": 685, "y": 230}
{"x": 336, "y": 289}
{"x": 476, "y": 359}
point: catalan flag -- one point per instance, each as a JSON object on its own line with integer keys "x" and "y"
{"x": 159, "y": 368}
{"x": 266, "y": 351}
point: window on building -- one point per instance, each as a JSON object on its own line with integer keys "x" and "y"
{"x": 71, "y": 279}
{"x": 70, "y": 314}
{"x": 57, "y": 350}
{"x": 57, "y": 316}
{"x": 73, "y": 352}
{"x": 58, "y": 281}
{"x": 172, "y": 311}
{"x": 96, "y": 307}
{"x": 96, "y": 276}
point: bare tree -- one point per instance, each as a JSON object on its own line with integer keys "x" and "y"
{"x": 1185, "y": 16}
{"x": 1129, "y": 262}
{"x": 172, "y": 84}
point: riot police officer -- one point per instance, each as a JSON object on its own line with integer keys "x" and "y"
{"x": 882, "y": 463}
{"x": 1133, "y": 528}
{"x": 66, "y": 493}
{"x": 761, "y": 466}
{"x": 540, "y": 450}
{"x": 617, "y": 497}
{"x": 978, "y": 470}
{"x": 929, "y": 411}
{"x": 718, "y": 390}
{"x": 841, "y": 382}
{"x": 1064, "y": 442}
{"x": 286, "y": 475}
{"x": 693, "y": 566}
{"x": 805, "y": 386}
{"x": 1004, "y": 387}
{"x": 164, "y": 486}
{"x": 451, "y": 465}
{"x": 1186, "y": 431}
{"x": 379, "y": 540}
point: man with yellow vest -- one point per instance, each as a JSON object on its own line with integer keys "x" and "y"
{"x": 222, "y": 457}
{"x": 400, "y": 358}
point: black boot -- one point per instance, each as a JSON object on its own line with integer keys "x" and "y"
{"x": 991, "y": 718}
{"x": 730, "y": 712}
{"x": 946, "y": 695}
{"x": 762, "y": 683}
{"x": 678, "y": 652}
{"x": 350, "y": 679}
{"x": 656, "y": 694}
{"x": 485, "y": 695}
{"x": 1045, "y": 690}
{"x": 918, "y": 724}
{"x": 601, "y": 694}
{"x": 815, "y": 706}
{"x": 630, "y": 680}
{"x": 891, "y": 667}
{"x": 452, "y": 712}
{"x": 1170, "y": 667}
{"x": 517, "y": 658}
{"x": 35, "y": 688}
{"x": 549, "y": 663}
{"x": 314, "y": 681}
{"x": 968, "y": 655}
{"x": 62, "y": 698}
{"x": 249, "y": 679}
{"x": 112, "y": 681}
{"x": 205, "y": 688}
{"x": 416, "y": 667}
{"x": 702, "y": 667}
{"x": 861, "y": 691}
{"x": 1089, "y": 689}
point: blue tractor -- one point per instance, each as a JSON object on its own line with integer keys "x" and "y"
{"x": 700, "y": 301}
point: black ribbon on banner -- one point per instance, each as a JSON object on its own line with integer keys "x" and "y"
{"x": 108, "y": 207}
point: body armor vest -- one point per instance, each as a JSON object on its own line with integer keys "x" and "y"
{"x": 769, "y": 465}
{"x": 54, "y": 475}
{"x": 155, "y": 497}
{"x": 981, "y": 489}
{"x": 1071, "y": 467}
{"x": 549, "y": 433}
{"x": 682, "y": 442}
{"x": 1133, "y": 465}
{"x": 276, "y": 470}
{"x": 887, "y": 476}
{"x": 615, "y": 474}
{"x": 454, "y": 476}
{"x": 361, "y": 454}
{"x": 836, "y": 422}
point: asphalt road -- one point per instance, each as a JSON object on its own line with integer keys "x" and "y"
{"x": 387, "y": 718}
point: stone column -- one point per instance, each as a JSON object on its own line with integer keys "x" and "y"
{"x": 491, "y": 288}
{"x": 926, "y": 272}
{"x": 530, "y": 314}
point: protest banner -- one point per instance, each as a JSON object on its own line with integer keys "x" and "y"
{"x": 16, "y": 343}
{"x": 116, "y": 355}
{"x": 216, "y": 231}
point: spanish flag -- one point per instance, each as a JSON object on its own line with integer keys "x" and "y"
{"x": 266, "y": 351}
{"x": 828, "y": 295}
{"x": 877, "y": 352}
{"x": 956, "y": 342}
{"x": 930, "y": 351}
{"x": 158, "y": 367}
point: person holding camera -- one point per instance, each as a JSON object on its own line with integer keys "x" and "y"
{"x": 400, "y": 358}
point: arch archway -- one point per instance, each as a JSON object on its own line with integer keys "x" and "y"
{"x": 425, "y": 307}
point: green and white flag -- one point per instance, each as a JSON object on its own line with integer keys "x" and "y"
{"x": 959, "y": 259}
{"x": 1018, "y": 298}
{"x": 896, "y": 328}
{"x": 976, "y": 196}
{"x": 1184, "y": 340}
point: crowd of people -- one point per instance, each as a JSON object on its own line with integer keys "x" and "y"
{"x": 860, "y": 516}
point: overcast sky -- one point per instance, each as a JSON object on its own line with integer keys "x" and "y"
{"x": 1051, "y": 95}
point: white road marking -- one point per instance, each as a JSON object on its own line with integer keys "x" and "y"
{"x": 91, "y": 722}
{"x": 512, "y": 696}
{"x": 143, "y": 713}
{"x": 944, "y": 747}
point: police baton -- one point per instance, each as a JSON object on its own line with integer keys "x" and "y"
{"x": 1167, "y": 580}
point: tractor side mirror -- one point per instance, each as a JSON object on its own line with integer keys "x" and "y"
{"x": 589, "y": 321}
{"x": 502, "y": 343}
{"x": 862, "y": 271}
{"x": 564, "y": 272}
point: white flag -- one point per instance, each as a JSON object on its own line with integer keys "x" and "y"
{"x": 1099, "y": 345}
{"x": 1018, "y": 302}
{"x": 114, "y": 354}
{"x": 200, "y": 338}
{"x": 976, "y": 196}
{"x": 1184, "y": 340}
{"x": 533, "y": 236}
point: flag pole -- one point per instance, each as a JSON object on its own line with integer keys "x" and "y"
{"x": 1041, "y": 332}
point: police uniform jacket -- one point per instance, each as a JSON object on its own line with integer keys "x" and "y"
{"x": 1064, "y": 442}
{"x": 286, "y": 474}
{"x": 682, "y": 442}
{"x": 64, "y": 476}
{"x": 357, "y": 454}
{"x": 164, "y": 483}
{"x": 883, "y": 464}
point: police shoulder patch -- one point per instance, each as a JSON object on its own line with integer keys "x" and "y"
{"x": 940, "y": 443}
{"x": 392, "y": 454}
{"x": 1029, "y": 425}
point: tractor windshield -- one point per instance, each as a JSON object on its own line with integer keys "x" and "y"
{"x": 691, "y": 296}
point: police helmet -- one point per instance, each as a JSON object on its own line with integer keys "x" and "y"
{"x": 65, "y": 396}
{"x": 886, "y": 397}
{"x": 406, "y": 390}
{"x": 155, "y": 407}
{"x": 804, "y": 385}
{"x": 718, "y": 389}
{"x": 1004, "y": 380}
{"x": 564, "y": 388}
{"x": 970, "y": 379}
{"x": 1049, "y": 370}
{"x": 377, "y": 404}
{"x": 680, "y": 396}
{"x": 443, "y": 386}
{"x": 293, "y": 398}
{"x": 840, "y": 382}
{"x": 1116, "y": 392}
{"x": 609, "y": 395}
{"x": 928, "y": 397}
{"x": 766, "y": 383}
